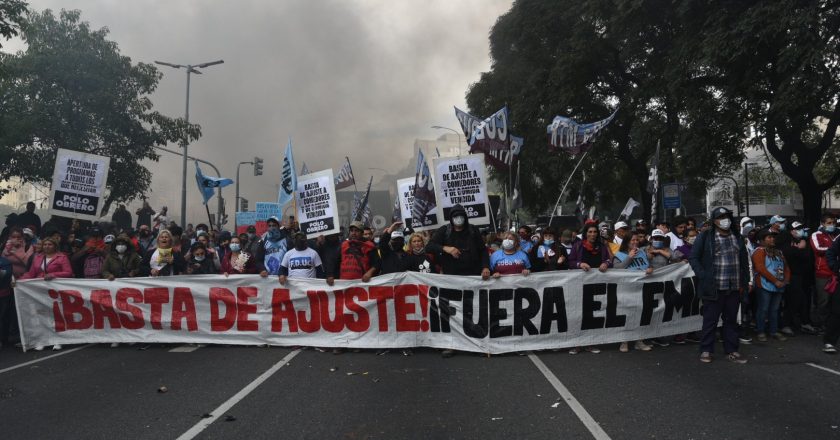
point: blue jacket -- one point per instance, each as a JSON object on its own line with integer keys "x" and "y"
{"x": 702, "y": 261}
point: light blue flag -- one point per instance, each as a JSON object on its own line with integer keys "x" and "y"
{"x": 207, "y": 185}
{"x": 288, "y": 180}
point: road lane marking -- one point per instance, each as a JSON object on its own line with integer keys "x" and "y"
{"x": 824, "y": 368}
{"x": 63, "y": 352}
{"x": 594, "y": 428}
{"x": 185, "y": 348}
{"x": 223, "y": 408}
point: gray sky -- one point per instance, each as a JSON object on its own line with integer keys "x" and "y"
{"x": 355, "y": 78}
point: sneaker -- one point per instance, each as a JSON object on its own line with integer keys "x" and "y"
{"x": 39, "y": 348}
{"x": 808, "y": 329}
{"x": 705, "y": 357}
{"x": 828, "y": 348}
{"x": 115, "y": 344}
{"x": 448, "y": 353}
{"x": 746, "y": 340}
{"x": 640, "y": 345}
{"x": 761, "y": 337}
{"x": 623, "y": 347}
{"x": 593, "y": 350}
{"x": 779, "y": 337}
{"x": 574, "y": 350}
{"x": 736, "y": 358}
{"x": 679, "y": 340}
{"x": 659, "y": 342}
{"x": 787, "y": 331}
{"x": 57, "y": 347}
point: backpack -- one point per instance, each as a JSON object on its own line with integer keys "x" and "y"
{"x": 93, "y": 266}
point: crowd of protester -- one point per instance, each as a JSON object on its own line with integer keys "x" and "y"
{"x": 766, "y": 282}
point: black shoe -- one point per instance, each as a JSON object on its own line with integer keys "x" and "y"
{"x": 659, "y": 342}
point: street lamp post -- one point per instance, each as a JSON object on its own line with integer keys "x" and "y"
{"x": 190, "y": 68}
{"x": 236, "y": 201}
{"x": 457, "y": 133}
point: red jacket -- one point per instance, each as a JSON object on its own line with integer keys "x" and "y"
{"x": 355, "y": 259}
{"x": 227, "y": 265}
{"x": 820, "y": 242}
{"x": 58, "y": 267}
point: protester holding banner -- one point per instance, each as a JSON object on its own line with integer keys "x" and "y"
{"x": 591, "y": 251}
{"x": 510, "y": 259}
{"x": 163, "y": 260}
{"x": 92, "y": 255}
{"x": 200, "y": 262}
{"x": 271, "y": 249}
{"x": 460, "y": 246}
{"x": 631, "y": 256}
{"x": 237, "y": 261}
{"x": 418, "y": 259}
{"x": 122, "y": 261}
{"x": 550, "y": 254}
{"x": 359, "y": 259}
{"x": 16, "y": 252}
{"x": 301, "y": 261}
{"x": 720, "y": 262}
{"x": 393, "y": 257}
{"x": 50, "y": 263}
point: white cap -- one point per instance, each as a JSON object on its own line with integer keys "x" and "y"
{"x": 657, "y": 233}
{"x": 397, "y": 234}
{"x": 619, "y": 225}
{"x": 745, "y": 220}
{"x": 108, "y": 238}
{"x": 27, "y": 231}
{"x": 796, "y": 225}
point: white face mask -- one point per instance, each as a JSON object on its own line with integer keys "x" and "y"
{"x": 199, "y": 258}
{"x": 725, "y": 224}
{"x": 459, "y": 220}
{"x": 121, "y": 248}
{"x": 507, "y": 244}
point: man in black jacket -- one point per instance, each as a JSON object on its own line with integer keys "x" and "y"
{"x": 460, "y": 245}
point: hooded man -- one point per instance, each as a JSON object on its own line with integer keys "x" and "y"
{"x": 460, "y": 246}
{"x": 391, "y": 249}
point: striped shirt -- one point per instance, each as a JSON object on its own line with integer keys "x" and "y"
{"x": 726, "y": 262}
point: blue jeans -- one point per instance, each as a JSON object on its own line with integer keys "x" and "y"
{"x": 768, "y": 309}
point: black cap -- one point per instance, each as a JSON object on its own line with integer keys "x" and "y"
{"x": 719, "y": 212}
{"x": 765, "y": 232}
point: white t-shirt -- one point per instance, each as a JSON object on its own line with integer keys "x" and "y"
{"x": 301, "y": 264}
{"x": 675, "y": 241}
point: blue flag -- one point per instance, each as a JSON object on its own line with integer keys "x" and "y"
{"x": 288, "y": 180}
{"x": 207, "y": 184}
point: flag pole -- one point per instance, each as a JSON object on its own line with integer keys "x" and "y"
{"x": 210, "y": 219}
{"x": 562, "y": 191}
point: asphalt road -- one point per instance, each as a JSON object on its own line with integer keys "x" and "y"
{"x": 249, "y": 392}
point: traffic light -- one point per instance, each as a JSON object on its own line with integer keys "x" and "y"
{"x": 243, "y": 204}
{"x": 258, "y": 166}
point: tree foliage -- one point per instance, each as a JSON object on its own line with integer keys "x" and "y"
{"x": 11, "y": 15}
{"x": 73, "y": 89}
{"x": 697, "y": 77}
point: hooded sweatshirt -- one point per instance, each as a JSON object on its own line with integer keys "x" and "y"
{"x": 474, "y": 257}
{"x": 121, "y": 266}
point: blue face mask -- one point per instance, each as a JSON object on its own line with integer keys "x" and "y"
{"x": 782, "y": 226}
{"x": 802, "y": 233}
{"x": 657, "y": 244}
{"x": 548, "y": 242}
{"x": 274, "y": 233}
{"x": 830, "y": 228}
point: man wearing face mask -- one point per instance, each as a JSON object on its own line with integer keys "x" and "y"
{"x": 251, "y": 242}
{"x": 122, "y": 261}
{"x": 778, "y": 226}
{"x": 272, "y": 248}
{"x": 719, "y": 259}
{"x": 393, "y": 256}
{"x": 300, "y": 261}
{"x": 460, "y": 246}
{"x": 821, "y": 241}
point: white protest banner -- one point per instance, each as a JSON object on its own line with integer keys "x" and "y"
{"x": 462, "y": 181}
{"x": 541, "y": 311}
{"x": 266, "y": 210}
{"x": 405, "y": 195}
{"x": 78, "y": 184}
{"x": 317, "y": 206}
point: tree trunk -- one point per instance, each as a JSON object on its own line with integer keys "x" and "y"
{"x": 811, "y": 203}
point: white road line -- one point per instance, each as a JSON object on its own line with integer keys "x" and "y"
{"x": 590, "y": 423}
{"x": 62, "y": 353}
{"x": 185, "y": 349}
{"x": 223, "y": 408}
{"x": 809, "y": 364}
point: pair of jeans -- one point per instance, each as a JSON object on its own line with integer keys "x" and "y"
{"x": 768, "y": 310}
{"x": 725, "y": 305}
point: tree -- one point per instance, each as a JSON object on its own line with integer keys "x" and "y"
{"x": 583, "y": 58}
{"x": 11, "y": 15}
{"x": 72, "y": 89}
{"x": 781, "y": 60}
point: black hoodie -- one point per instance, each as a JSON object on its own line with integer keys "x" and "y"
{"x": 474, "y": 256}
